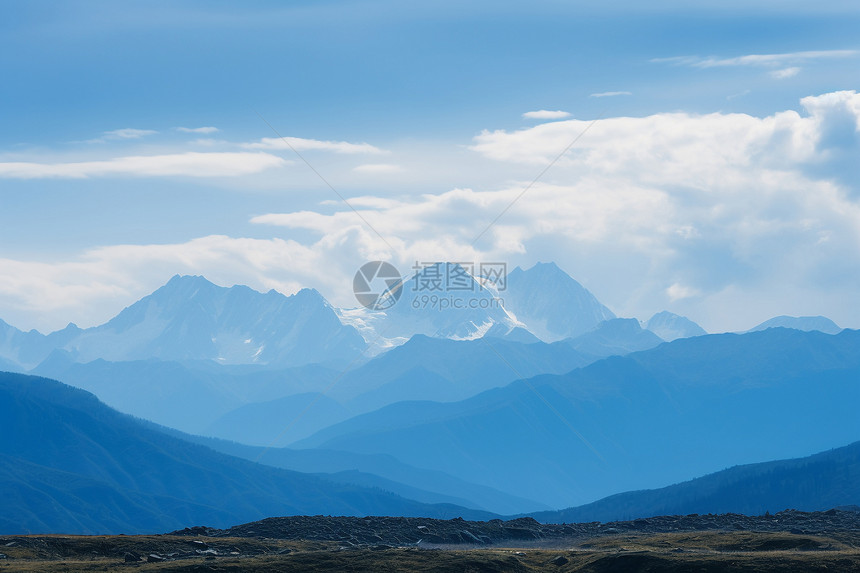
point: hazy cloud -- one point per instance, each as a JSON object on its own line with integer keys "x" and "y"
{"x": 760, "y": 60}
{"x": 785, "y": 73}
{"x": 301, "y": 144}
{"x": 200, "y": 130}
{"x": 611, "y": 94}
{"x": 92, "y": 287}
{"x": 377, "y": 168}
{"x": 190, "y": 164}
{"x": 128, "y": 133}
{"x": 679, "y": 292}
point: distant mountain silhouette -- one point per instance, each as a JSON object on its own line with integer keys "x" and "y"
{"x": 69, "y": 464}
{"x": 814, "y": 483}
{"x": 189, "y": 395}
{"x": 615, "y": 337}
{"x": 382, "y": 471}
{"x": 819, "y": 323}
{"x": 670, "y": 326}
{"x": 24, "y": 350}
{"x": 424, "y": 368}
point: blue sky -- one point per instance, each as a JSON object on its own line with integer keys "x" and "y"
{"x": 135, "y": 143}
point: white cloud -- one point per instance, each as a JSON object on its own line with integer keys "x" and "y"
{"x": 714, "y": 216}
{"x": 128, "y": 133}
{"x": 678, "y": 292}
{"x": 190, "y": 164}
{"x": 611, "y": 94}
{"x": 301, "y": 144}
{"x": 692, "y": 206}
{"x": 785, "y": 73}
{"x": 377, "y": 168}
{"x": 546, "y": 114}
{"x": 200, "y": 130}
{"x": 760, "y": 60}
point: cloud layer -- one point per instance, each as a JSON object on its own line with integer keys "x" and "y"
{"x": 302, "y": 144}
{"x": 188, "y": 164}
{"x": 716, "y": 216}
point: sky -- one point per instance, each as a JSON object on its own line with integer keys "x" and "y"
{"x": 701, "y": 159}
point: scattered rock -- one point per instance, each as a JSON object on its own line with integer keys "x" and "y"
{"x": 468, "y": 536}
{"x": 131, "y": 557}
{"x": 205, "y": 552}
{"x": 155, "y": 558}
{"x": 560, "y": 560}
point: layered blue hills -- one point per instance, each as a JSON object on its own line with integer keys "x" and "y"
{"x": 677, "y": 411}
{"x": 69, "y": 464}
{"x": 819, "y": 482}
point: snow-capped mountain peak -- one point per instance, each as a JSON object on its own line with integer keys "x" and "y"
{"x": 551, "y": 304}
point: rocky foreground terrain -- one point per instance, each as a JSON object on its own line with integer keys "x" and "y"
{"x": 416, "y": 531}
{"x": 786, "y": 541}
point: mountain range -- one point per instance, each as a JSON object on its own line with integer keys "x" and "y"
{"x": 531, "y": 395}
{"x": 189, "y": 318}
{"x": 272, "y": 406}
{"x": 69, "y": 464}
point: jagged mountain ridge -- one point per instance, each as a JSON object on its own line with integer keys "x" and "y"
{"x": 190, "y": 318}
